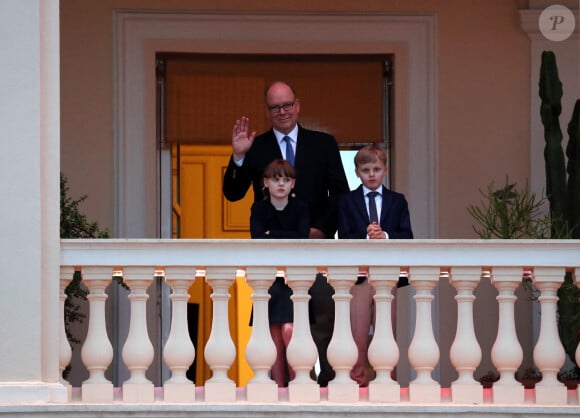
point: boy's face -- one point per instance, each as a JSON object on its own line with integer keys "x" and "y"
{"x": 371, "y": 174}
{"x": 279, "y": 187}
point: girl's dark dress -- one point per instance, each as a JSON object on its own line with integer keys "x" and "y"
{"x": 291, "y": 222}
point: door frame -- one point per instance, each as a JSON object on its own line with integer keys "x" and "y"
{"x": 139, "y": 36}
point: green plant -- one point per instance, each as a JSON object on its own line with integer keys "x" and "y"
{"x": 563, "y": 193}
{"x": 488, "y": 379}
{"x": 509, "y": 213}
{"x": 573, "y": 154}
{"x": 74, "y": 224}
{"x": 528, "y": 378}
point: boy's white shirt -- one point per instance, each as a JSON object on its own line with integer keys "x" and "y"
{"x": 378, "y": 201}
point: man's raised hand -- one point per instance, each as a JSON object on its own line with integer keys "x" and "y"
{"x": 241, "y": 140}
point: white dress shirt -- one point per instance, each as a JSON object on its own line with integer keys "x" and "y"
{"x": 293, "y": 135}
{"x": 378, "y": 202}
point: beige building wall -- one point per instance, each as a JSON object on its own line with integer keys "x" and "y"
{"x": 485, "y": 84}
{"x": 483, "y": 94}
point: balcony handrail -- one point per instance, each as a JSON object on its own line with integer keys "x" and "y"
{"x": 246, "y": 252}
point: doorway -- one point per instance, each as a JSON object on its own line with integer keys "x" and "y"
{"x": 140, "y": 36}
{"x": 200, "y": 96}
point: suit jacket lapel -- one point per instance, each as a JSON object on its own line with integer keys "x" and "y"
{"x": 277, "y": 152}
{"x": 301, "y": 143}
{"x": 306, "y": 145}
{"x": 387, "y": 203}
{"x": 360, "y": 204}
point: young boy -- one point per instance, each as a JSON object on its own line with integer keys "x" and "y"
{"x": 370, "y": 212}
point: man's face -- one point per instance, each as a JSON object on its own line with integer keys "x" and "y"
{"x": 371, "y": 174}
{"x": 282, "y": 107}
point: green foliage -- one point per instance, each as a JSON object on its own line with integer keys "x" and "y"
{"x": 72, "y": 305}
{"x": 509, "y": 213}
{"x": 563, "y": 194}
{"x": 569, "y": 315}
{"x": 573, "y": 154}
{"x": 550, "y": 109}
{"x": 74, "y": 224}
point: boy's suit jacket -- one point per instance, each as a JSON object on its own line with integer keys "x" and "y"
{"x": 354, "y": 217}
{"x": 320, "y": 176}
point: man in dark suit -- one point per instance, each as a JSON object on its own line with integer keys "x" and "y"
{"x": 370, "y": 212}
{"x": 320, "y": 179}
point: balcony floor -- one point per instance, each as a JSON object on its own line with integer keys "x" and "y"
{"x": 284, "y": 409}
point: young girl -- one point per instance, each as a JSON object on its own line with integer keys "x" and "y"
{"x": 280, "y": 216}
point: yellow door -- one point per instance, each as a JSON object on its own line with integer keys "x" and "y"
{"x": 201, "y": 211}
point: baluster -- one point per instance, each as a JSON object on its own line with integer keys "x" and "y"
{"x": 507, "y": 353}
{"x": 65, "y": 351}
{"x": 97, "y": 351}
{"x": 138, "y": 351}
{"x": 220, "y": 351}
{"x": 342, "y": 350}
{"x": 549, "y": 354}
{"x": 301, "y": 352}
{"x": 179, "y": 351}
{"x": 261, "y": 350}
{"x": 423, "y": 350}
{"x": 465, "y": 352}
{"x": 383, "y": 350}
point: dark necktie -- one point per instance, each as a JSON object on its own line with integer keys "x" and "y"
{"x": 373, "y": 216}
{"x": 289, "y": 150}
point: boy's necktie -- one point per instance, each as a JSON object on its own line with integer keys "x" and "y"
{"x": 289, "y": 150}
{"x": 373, "y": 216}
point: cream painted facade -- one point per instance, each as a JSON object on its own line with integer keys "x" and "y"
{"x": 483, "y": 97}
{"x": 483, "y": 125}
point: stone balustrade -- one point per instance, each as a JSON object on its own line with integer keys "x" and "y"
{"x": 462, "y": 262}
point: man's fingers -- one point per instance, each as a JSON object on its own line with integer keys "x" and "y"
{"x": 240, "y": 126}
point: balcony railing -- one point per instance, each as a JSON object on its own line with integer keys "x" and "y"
{"x": 463, "y": 262}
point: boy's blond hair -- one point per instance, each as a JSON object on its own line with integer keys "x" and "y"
{"x": 370, "y": 154}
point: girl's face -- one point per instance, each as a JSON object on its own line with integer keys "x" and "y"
{"x": 279, "y": 187}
